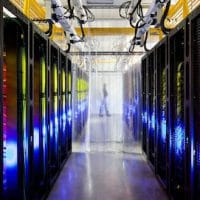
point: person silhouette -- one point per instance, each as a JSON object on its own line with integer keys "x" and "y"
{"x": 104, "y": 102}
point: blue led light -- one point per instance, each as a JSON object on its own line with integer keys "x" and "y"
{"x": 192, "y": 154}
{"x": 136, "y": 100}
{"x": 179, "y": 131}
{"x": 163, "y": 128}
{"x": 56, "y": 128}
{"x": 76, "y": 114}
{"x": 153, "y": 121}
{"x": 64, "y": 117}
{"x": 69, "y": 113}
{"x": 79, "y": 107}
{"x": 11, "y": 154}
{"x": 44, "y": 130}
{"x": 36, "y": 138}
{"x": 144, "y": 117}
{"x": 134, "y": 109}
{"x": 69, "y": 116}
{"x": 51, "y": 129}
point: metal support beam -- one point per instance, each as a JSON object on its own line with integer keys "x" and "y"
{"x": 26, "y": 9}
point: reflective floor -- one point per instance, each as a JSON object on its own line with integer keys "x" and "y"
{"x": 107, "y": 176}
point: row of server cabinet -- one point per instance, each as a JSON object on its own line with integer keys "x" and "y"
{"x": 171, "y": 109}
{"x": 80, "y": 101}
{"x": 35, "y": 108}
{"x": 132, "y": 100}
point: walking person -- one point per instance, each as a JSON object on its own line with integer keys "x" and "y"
{"x": 104, "y": 102}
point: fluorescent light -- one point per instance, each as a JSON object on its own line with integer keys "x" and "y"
{"x": 8, "y": 13}
{"x": 58, "y": 25}
{"x": 100, "y": 1}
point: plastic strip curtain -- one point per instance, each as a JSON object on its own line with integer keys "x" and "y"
{"x": 100, "y": 93}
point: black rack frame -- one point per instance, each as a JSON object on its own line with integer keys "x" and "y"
{"x": 64, "y": 64}
{"x": 178, "y": 183}
{"x": 151, "y": 77}
{"x": 161, "y": 56}
{"x": 194, "y": 104}
{"x": 37, "y": 34}
{"x": 53, "y": 58}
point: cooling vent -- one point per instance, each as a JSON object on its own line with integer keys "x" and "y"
{"x": 100, "y": 2}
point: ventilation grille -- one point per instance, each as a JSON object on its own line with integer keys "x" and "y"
{"x": 161, "y": 113}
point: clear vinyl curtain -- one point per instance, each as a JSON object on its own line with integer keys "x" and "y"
{"x": 106, "y": 107}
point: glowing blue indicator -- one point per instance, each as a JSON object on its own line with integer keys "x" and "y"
{"x": 36, "y": 138}
{"x": 179, "y": 130}
{"x": 51, "y": 129}
{"x": 153, "y": 121}
{"x": 76, "y": 114}
{"x": 163, "y": 129}
{"x": 64, "y": 117}
{"x": 44, "y": 130}
{"x": 192, "y": 154}
{"x": 134, "y": 109}
{"x": 69, "y": 115}
{"x": 144, "y": 117}
{"x": 79, "y": 107}
{"x": 11, "y": 154}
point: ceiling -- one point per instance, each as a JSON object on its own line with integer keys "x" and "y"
{"x": 103, "y": 9}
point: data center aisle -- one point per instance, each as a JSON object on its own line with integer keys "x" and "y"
{"x": 107, "y": 161}
{"x": 108, "y": 176}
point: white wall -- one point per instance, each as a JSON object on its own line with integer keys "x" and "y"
{"x": 113, "y": 81}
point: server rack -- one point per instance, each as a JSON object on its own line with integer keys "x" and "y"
{"x": 151, "y": 107}
{"x": 39, "y": 114}
{"x": 15, "y": 114}
{"x": 1, "y": 100}
{"x": 162, "y": 137}
{"x": 64, "y": 135}
{"x": 54, "y": 111}
{"x": 194, "y": 101}
{"x": 177, "y": 126}
{"x": 144, "y": 104}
